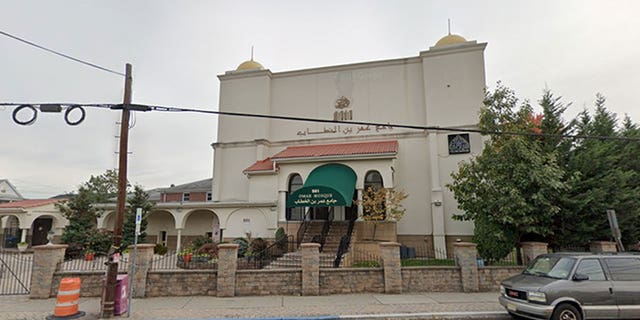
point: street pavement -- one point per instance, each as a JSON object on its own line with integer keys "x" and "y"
{"x": 354, "y": 306}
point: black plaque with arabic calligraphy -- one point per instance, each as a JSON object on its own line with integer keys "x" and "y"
{"x": 459, "y": 143}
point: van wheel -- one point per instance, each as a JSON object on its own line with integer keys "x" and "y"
{"x": 566, "y": 311}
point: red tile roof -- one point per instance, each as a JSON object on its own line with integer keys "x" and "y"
{"x": 327, "y": 150}
{"x": 28, "y": 203}
{"x": 262, "y": 165}
{"x": 341, "y": 149}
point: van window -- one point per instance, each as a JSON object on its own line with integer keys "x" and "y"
{"x": 591, "y": 268}
{"x": 624, "y": 269}
{"x": 551, "y": 266}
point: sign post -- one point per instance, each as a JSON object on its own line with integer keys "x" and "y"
{"x": 615, "y": 229}
{"x": 133, "y": 257}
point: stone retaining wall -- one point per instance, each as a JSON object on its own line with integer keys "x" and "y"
{"x": 354, "y": 280}
{"x": 181, "y": 283}
{"x": 91, "y": 282}
{"x": 286, "y": 282}
{"x": 431, "y": 279}
{"x": 490, "y": 277}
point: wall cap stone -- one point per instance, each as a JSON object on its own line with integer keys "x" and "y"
{"x": 389, "y": 244}
{"x": 50, "y": 247}
{"x": 310, "y": 245}
{"x": 603, "y": 242}
{"x": 142, "y": 246}
{"x": 228, "y": 246}
{"x": 534, "y": 243}
{"x": 464, "y": 244}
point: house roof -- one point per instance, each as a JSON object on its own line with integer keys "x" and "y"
{"x": 24, "y": 204}
{"x": 195, "y": 186}
{"x": 8, "y": 196}
{"x": 262, "y": 165}
{"x": 369, "y": 148}
{"x": 339, "y": 149}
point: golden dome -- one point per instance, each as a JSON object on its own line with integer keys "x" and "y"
{"x": 249, "y": 65}
{"x": 450, "y": 39}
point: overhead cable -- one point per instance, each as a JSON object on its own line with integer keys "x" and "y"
{"x": 61, "y": 54}
{"x": 145, "y": 108}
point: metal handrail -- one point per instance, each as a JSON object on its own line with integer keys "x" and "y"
{"x": 345, "y": 242}
{"x": 325, "y": 228}
{"x": 303, "y": 227}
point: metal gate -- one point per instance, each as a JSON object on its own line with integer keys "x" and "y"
{"x": 15, "y": 273}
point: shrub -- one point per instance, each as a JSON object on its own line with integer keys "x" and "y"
{"x": 243, "y": 245}
{"x": 494, "y": 241}
{"x": 366, "y": 264}
{"x": 281, "y": 239}
{"x": 258, "y": 245}
{"x": 199, "y": 241}
{"x": 209, "y": 249}
{"x": 160, "y": 249}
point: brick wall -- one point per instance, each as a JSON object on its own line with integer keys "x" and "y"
{"x": 431, "y": 279}
{"x": 181, "y": 283}
{"x": 356, "y": 280}
{"x": 177, "y": 197}
{"x": 490, "y": 277}
{"x": 268, "y": 282}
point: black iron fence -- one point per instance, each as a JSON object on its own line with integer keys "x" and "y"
{"x": 425, "y": 255}
{"x": 280, "y": 254}
{"x": 15, "y": 273}
{"x": 94, "y": 263}
{"x": 360, "y": 258}
{"x": 514, "y": 258}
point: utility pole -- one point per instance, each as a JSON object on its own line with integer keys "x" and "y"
{"x": 109, "y": 291}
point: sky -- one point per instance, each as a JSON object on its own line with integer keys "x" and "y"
{"x": 177, "y": 48}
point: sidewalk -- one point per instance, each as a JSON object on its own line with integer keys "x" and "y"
{"x": 356, "y": 306}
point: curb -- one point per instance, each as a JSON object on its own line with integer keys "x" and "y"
{"x": 425, "y": 315}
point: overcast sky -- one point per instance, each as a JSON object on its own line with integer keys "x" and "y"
{"x": 177, "y": 48}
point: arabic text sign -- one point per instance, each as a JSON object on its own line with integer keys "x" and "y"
{"x": 318, "y": 197}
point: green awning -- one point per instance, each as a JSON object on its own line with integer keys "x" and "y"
{"x": 329, "y": 185}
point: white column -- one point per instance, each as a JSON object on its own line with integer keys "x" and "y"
{"x": 179, "y": 241}
{"x": 386, "y": 202}
{"x": 360, "y": 210}
{"x": 437, "y": 207}
{"x": 282, "y": 206}
{"x": 23, "y": 236}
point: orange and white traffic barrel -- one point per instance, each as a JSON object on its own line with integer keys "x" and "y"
{"x": 67, "y": 302}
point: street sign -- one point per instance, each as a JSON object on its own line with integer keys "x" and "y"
{"x": 138, "y": 220}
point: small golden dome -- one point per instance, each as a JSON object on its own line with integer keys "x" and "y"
{"x": 249, "y": 65}
{"x": 450, "y": 39}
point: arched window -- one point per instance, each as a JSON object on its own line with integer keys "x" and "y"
{"x": 373, "y": 180}
{"x": 372, "y": 183}
{"x": 295, "y": 183}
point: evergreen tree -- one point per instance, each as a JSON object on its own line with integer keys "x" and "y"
{"x": 82, "y": 217}
{"x": 139, "y": 199}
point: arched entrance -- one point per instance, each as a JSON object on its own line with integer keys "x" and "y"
{"x": 328, "y": 192}
{"x": 202, "y": 222}
{"x": 10, "y": 232}
{"x": 40, "y": 229}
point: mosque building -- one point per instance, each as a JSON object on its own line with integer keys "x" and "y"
{"x": 271, "y": 173}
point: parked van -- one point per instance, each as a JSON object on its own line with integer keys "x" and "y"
{"x": 575, "y": 286}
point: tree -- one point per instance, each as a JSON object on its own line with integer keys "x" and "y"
{"x": 82, "y": 216}
{"x": 382, "y": 204}
{"x": 139, "y": 199}
{"x": 606, "y": 177}
{"x": 103, "y": 187}
{"x": 514, "y": 184}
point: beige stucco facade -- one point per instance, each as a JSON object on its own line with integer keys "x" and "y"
{"x": 441, "y": 87}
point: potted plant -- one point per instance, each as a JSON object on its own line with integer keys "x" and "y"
{"x": 185, "y": 255}
{"x": 89, "y": 254}
{"x": 22, "y": 246}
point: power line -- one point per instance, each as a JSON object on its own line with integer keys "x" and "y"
{"x": 142, "y": 107}
{"x": 61, "y": 54}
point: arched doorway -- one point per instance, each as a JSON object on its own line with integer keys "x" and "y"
{"x": 40, "y": 229}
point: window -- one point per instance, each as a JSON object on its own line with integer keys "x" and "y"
{"x": 624, "y": 269}
{"x": 591, "y": 268}
{"x": 373, "y": 183}
{"x": 186, "y": 196}
{"x": 162, "y": 238}
{"x": 209, "y": 196}
{"x": 295, "y": 214}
